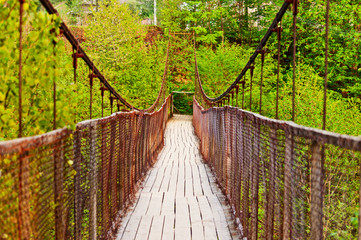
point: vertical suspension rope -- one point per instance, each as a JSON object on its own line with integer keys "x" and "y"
{"x": 20, "y": 66}
{"x": 261, "y": 85}
{"x": 74, "y": 64}
{"x": 111, "y": 104}
{"x": 279, "y": 32}
{"x": 21, "y": 165}
{"x": 243, "y": 93}
{"x": 91, "y": 82}
{"x": 250, "y": 88}
{"x": 54, "y": 88}
{"x": 237, "y": 87}
{"x": 102, "y": 93}
{"x": 295, "y": 2}
{"x": 326, "y": 65}
{"x": 54, "y": 103}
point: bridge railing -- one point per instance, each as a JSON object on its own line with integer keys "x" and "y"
{"x": 283, "y": 180}
{"x": 75, "y": 184}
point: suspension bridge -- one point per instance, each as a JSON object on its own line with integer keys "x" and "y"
{"x": 223, "y": 173}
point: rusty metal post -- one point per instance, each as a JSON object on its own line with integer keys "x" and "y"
{"x": 237, "y": 88}
{"x": 288, "y": 188}
{"x": 326, "y": 65}
{"x": 54, "y": 91}
{"x": 243, "y": 94}
{"x": 359, "y": 208}
{"x": 54, "y": 104}
{"x": 261, "y": 85}
{"x": 93, "y": 179}
{"x": 58, "y": 192}
{"x": 24, "y": 225}
{"x": 316, "y": 192}
{"x": 20, "y": 67}
{"x": 77, "y": 189}
{"x": 74, "y": 64}
{"x": 279, "y": 32}
{"x": 255, "y": 182}
{"x": 250, "y": 88}
{"x": 269, "y": 213}
{"x": 295, "y": 3}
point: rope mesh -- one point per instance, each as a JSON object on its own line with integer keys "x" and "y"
{"x": 273, "y": 173}
{"x": 75, "y": 184}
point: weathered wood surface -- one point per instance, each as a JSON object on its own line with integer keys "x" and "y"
{"x": 179, "y": 198}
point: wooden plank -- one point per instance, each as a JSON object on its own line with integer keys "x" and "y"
{"x": 158, "y": 180}
{"x": 172, "y": 188}
{"x": 168, "y": 204}
{"x": 168, "y": 227}
{"x": 151, "y": 179}
{"x": 165, "y": 183}
{"x": 196, "y": 219}
{"x": 180, "y": 198}
{"x": 144, "y": 227}
{"x": 157, "y": 228}
{"x": 155, "y": 204}
{"x": 182, "y": 223}
{"x": 188, "y": 181}
{"x": 131, "y": 228}
{"x": 219, "y": 218}
{"x": 207, "y": 217}
{"x": 197, "y": 184}
{"x": 180, "y": 181}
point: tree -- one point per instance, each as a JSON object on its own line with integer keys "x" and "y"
{"x": 115, "y": 39}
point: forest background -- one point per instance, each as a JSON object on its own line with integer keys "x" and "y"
{"x": 131, "y": 56}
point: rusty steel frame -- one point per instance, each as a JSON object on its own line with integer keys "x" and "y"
{"x": 259, "y": 48}
{"x": 80, "y": 53}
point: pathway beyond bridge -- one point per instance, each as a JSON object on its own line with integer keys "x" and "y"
{"x": 179, "y": 198}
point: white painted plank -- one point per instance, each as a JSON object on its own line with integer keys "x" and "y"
{"x": 182, "y": 223}
{"x": 179, "y": 199}
{"x": 168, "y": 227}
{"x": 155, "y": 204}
{"x": 157, "y": 228}
{"x": 144, "y": 227}
{"x": 196, "y": 220}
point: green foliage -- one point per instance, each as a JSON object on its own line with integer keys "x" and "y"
{"x": 219, "y": 68}
{"x": 115, "y": 40}
{"x": 41, "y": 66}
{"x": 145, "y": 7}
{"x": 75, "y": 11}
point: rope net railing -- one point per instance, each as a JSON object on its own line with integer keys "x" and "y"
{"x": 274, "y": 175}
{"x": 283, "y": 180}
{"x": 75, "y": 184}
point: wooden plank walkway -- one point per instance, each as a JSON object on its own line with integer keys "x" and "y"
{"x": 179, "y": 198}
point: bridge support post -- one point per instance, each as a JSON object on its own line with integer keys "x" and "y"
{"x": 269, "y": 223}
{"x": 93, "y": 178}
{"x": 77, "y": 190}
{"x": 288, "y": 187}
{"x": 255, "y": 180}
{"x": 316, "y": 192}
{"x": 58, "y": 193}
{"x": 24, "y": 225}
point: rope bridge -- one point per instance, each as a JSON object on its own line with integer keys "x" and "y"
{"x": 73, "y": 184}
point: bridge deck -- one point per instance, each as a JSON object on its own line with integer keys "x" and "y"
{"x": 179, "y": 198}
